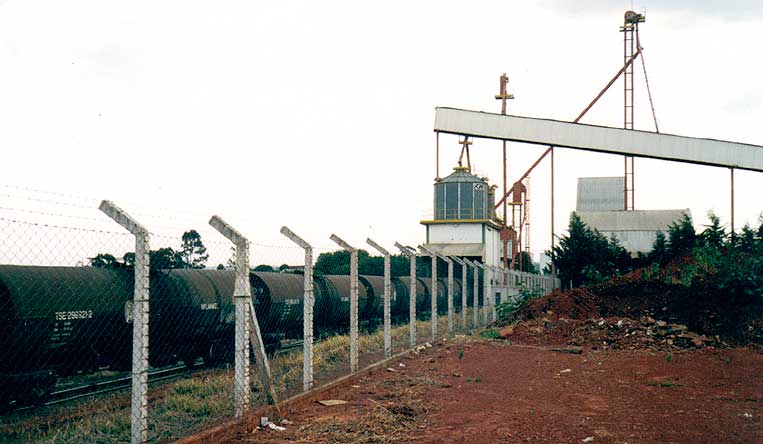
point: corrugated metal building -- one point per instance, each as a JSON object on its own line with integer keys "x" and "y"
{"x": 600, "y": 206}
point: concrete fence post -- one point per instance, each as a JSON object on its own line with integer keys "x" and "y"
{"x": 488, "y": 292}
{"x": 434, "y": 289}
{"x": 485, "y": 287}
{"x": 450, "y": 291}
{"x": 353, "y": 300}
{"x": 387, "y": 298}
{"x": 139, "y": 409}
{"x": 498, "y": 272}
{"x": 463, "y": 290}
{"x": 247, "y": 326}
{"x": 411, "y": 253}
{"x": 308, "y": 304}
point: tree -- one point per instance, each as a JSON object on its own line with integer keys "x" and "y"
{"x": 714, "y": 235}
{"x": 104, "y": 261}
{"x": 585, "y": 256}
{"x": 192, "y": 251}
{"x": 659, "y": 253}
{"x": 681, "y": 238}
{"x": 526, "y": 260}
{"x": 263, "y": 268}
{"x": 165, "y": 259}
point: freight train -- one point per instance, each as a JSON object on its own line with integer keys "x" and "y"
{"x": 61, "y": 321}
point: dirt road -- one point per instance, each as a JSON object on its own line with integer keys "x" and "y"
{"x": 479, "y": 392}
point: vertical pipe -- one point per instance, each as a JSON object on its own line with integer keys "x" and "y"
{"x": 732, "y": 204}
{"x": 487, "y": 292}
{"x": 553, "y": 234}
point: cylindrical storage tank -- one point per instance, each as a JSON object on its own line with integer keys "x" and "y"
{"x": 198, "y": 318}
{"x": 374, "y": 312}
{"x": 342, "y": 285}
{"x": 461, "y": 196}
{"x": 280, "y": 297}
{"x": 401, "y": 308}
{"x": 326, "y": 313}
{"x": 67, "y": 319}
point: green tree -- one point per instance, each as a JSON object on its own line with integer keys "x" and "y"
{"x": 585, "y": 256}
{"x": 714, "y": 235}
{"x": 659, "y": 253}
{"x": 192, "y": 250}
{"x": 165, "y": 259}
{"x": 526, "y": 262}
{"x": 681, "y": 238}
{"x": 263, "y": 268}
{"x": 104, "y": 260}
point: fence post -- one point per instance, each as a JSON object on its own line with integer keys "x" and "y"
{"x": 499, "y": 273}
{"x": 484, "y": 291}
{"x": 450, "y": 291}
{"x": 387, "y": 296}
{"x": 475, "y": 294}
{"x": 434, "y": 289}
{"x": 463, "y": 290}
{"x": 353, "y": 300}
{"x": 411, "y": 253}
{"x": 247, "y": 326}
{"x": 139, "y": 417}
{"x": 308, "y": 304}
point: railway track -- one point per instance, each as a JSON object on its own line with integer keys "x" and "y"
{"x": 98, "y": 388}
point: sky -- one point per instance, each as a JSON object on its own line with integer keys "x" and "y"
{"x": 319, "y": 115}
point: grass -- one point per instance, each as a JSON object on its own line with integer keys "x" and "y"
{"x": 490, "y": 333}
{"x": 182, "y": 407}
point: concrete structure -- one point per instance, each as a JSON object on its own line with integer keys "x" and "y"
{"x": 637, "y": 229}
{"x": 600, "y": 206}
{"x": 465, "y": 223}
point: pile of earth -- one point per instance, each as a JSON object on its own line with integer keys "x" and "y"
{"x": 631, "y": 312}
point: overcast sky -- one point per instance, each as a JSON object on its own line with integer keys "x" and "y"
{"x": 319, "y": 115}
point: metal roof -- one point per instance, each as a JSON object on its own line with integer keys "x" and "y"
{"x": 461, "y": 175}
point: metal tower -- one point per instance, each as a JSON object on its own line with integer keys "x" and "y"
{"x": 630, "y": 46}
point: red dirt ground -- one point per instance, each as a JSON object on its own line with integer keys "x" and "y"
{"x": 502, "y": 393}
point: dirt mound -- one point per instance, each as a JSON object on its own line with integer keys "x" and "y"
{"x": 632, "y": 311}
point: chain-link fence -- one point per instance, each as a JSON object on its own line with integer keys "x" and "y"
{"x": 167, "y": 325}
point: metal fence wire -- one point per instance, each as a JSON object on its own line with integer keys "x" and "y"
{"x": 143, "y": 335}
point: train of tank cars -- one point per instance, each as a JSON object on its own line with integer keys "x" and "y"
{"x": 62, "y": 321}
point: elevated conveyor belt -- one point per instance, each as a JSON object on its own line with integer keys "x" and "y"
{"x": 600, "y": 139}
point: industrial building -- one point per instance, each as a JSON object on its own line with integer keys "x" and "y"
{"x": 600, "y": 207}
{"x": 465, "y": 223}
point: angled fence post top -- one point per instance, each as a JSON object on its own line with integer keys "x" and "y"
{"x": 378, "y": 247}
{"x": 478, "y": 265}
{"x": 444, "y": 258}
{"x": 427, "y": 251}
{"x": 458, "y": 261}
{"x": 343, "y": 244}
{"x": 408, "y": 251}
{"x": 296, "y": 239}
{"x": 122, "y": 218}
{"x": 228, "y": 231}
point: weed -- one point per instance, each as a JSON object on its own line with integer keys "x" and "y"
{"x": 476, "y": 380}
{"x": 460, "y": 355}
{"x": 669, "y": 357}
{"x": 490, "y": 333}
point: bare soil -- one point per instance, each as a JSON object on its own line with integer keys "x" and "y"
{"x": 480, "y": 391}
